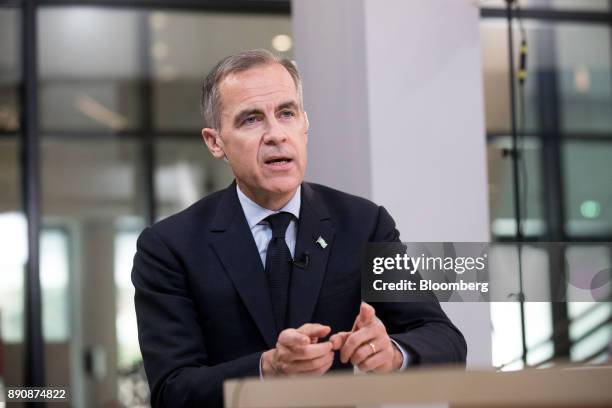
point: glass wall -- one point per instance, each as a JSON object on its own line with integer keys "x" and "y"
{"x": 564, "y": 120}
{"x": 119, "y": 111}
{"x": 564, "y": 5}
{"x": 13, "y": 233}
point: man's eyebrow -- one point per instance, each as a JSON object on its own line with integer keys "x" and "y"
{"x": 287, "y": 105}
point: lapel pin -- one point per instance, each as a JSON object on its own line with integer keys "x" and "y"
{"x": 321, "y": 242}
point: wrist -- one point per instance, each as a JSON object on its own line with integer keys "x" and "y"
{"x": 268, "y": 367}
{"x": 398, "y": 358}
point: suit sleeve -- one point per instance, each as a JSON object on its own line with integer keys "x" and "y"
{"x": 422, "y": 328}
{"x": 170, "y": 335}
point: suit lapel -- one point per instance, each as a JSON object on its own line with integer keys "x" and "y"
{"x": 238, "y": 253}
{"x": 306, "y": 282}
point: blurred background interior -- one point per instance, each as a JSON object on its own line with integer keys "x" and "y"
{"x": 118, "y": 124}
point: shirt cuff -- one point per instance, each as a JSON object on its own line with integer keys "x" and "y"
{"x": 405, "y": 355}
{"x": 261, "y": 377}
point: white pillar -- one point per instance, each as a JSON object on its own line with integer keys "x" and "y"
{"x": 394, "y": 94}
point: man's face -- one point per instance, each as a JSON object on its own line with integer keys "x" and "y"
{"x": 263, "y": 131}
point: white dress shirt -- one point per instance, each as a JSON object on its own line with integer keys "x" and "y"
{"x": 262, "y": 233}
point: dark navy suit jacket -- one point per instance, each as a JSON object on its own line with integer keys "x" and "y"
{"x": 203, "y": 306}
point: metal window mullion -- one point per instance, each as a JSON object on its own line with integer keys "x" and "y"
{"x": 280, "y": 7}
{"x": 31, "y": 192}
{"x": 552, "y": 15}
{"x": 549, "y": 114}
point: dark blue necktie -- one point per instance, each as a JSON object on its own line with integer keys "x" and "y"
{"x": 278, "y": 267}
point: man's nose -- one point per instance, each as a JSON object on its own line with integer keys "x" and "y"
{"x": 275, "y": 132}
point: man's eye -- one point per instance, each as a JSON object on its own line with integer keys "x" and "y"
{"x": 250, "y": 120}
{"x": 287, "y": 114}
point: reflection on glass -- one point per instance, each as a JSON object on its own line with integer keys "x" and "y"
{"x": 14, "y": 244}
{"x": 506, "y": 340}
{"x": 95, "y": 64}
{"x": 90, "y": 188}
{"x": 186, "y": 172}
{"x": 54, "y": 275}
{"x": 593, "y": 316}
{"x": 92, "y": 63}
{"x": 127, "y": 330}
{"x": 185, "y": 46}
{"x": 594, "y": 346}
{"x": 504, "y": 272}
{"x": 10, "y": 174}
{"x": 506, "y": 335}
{"x": 538, "y": 331}
{"x": 493, "y": 34}
{"x": 590, "y": 271}
{"x": 102, "y": 105}
{"x": 590, "y": 328}
{"x": 10, "y": 69}
{"x": 501, "y": 189}
{"x": 90, "y": 68}
{"x": 585, "y": 77}
{"x": 588, "y": 187}
{"x": 95, "y": 179}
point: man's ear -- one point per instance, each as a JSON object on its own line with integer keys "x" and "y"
{"x": 307, "y": 124}
{"x": 213, "y": 142}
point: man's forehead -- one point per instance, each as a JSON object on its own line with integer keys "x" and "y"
{"x": 257, "y": 85}
{"x": 274, "y": 72}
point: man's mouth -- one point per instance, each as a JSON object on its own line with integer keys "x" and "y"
{"x": 278, "y": 161}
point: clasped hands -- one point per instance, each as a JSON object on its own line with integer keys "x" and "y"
{"x": 366, "y": 346}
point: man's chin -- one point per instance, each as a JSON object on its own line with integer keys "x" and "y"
{"x": 284, "y": 186}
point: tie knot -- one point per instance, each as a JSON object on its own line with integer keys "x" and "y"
{"x": 279, "y": 223}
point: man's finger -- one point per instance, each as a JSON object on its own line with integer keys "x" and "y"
{"x": 374, "y": 363}
{"x": 338, "y": 339}
{"x": 302, "y": 366}
{"x": 355, "y": 340}
{"x": 314, "y": 330}
{"x": 367, "y": 314}
{"x": 310, "y": 351}
{"x": 365, "y": 351}
{"x": 292, "y": 338}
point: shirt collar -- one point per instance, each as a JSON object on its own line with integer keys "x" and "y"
{"x": 255, "y": 213}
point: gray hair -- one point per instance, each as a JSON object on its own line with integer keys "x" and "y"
{"x": 210, "y": 101}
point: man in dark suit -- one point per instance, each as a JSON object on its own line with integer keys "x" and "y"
{"x": 251, "y": 280}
